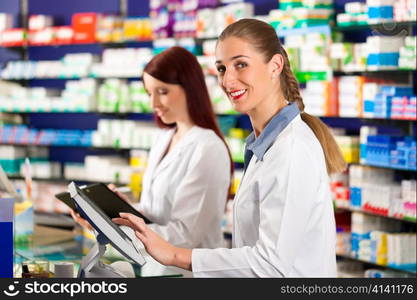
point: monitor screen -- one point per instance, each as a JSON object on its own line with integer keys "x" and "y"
{"x": 104, "y": 225}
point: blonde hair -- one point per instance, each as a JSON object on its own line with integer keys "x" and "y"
{"x": 264, "y": 39}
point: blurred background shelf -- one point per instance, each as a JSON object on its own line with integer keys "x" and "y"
{"x": 411, "y": 271}
{"x": 353, "y": 209}
{"x": 389, "y": 25}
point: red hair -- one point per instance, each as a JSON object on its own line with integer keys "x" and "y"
{"x": 176, "y": 65}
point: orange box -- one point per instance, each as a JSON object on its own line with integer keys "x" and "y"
{"x": 333, "y": 105}
{"x": 84, "y": 26}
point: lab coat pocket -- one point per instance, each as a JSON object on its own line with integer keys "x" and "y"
{"x": 247, "y": 215}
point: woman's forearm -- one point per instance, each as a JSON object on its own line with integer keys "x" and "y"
{"x": 182, "y": 258}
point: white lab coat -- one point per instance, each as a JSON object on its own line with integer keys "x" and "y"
{"x": 283, "y": 215}
{"x": 185, "y": 193}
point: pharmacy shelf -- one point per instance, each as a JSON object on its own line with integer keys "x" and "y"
{"x": 370, "y": 72}
{"x": 77, "y": 112}
{"x": 388, "y": 167}
{"x": 366, "y": 118}
{"x": 386, "y": 26}
{"x": 303, "y": 77}
{"x": 306, "y": 76}
{"x": 51, "y": 179}
{"x": 74, "y": 78}
{"x": 325, "y": 29}
{"x": 62, "y": 180}
{"x": 77, "y": 146}
{"x": 409, "y": 271}
{"x": 353, "y": 209}
{"x": 127, "y": 113}
{"x": 130, "y": 44}
{"x": 95, "y": 112}
{"x": 237, "y": 162}
{"x": 228, "y": 235}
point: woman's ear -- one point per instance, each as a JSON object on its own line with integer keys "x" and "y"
{"x": 276, "y": 63}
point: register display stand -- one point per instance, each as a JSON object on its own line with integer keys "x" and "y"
{"x": 106, "y": 233}
{"x": 92, "y": 267}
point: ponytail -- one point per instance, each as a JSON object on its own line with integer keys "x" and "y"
{"x": 291, "y": 90}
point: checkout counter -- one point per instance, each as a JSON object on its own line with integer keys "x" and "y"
{"x": 52, "y": 245}
{"x": 32, "y": 243}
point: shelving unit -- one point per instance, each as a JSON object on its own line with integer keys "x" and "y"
{"x": 60, "y": 180}
{"x": 149, "y": 115}
{"x": 352, "y": 209}
{"x": 372, "y": 264}
{"x": 387, "y": 24}
{"x": 389, "y": 167}
{"x": 70, "y": 78}
{"x": 373, "y": 72}
{"x": 408, "y": 127}
{"x": 139, "y": 43}
{"x": 115, "y": 148}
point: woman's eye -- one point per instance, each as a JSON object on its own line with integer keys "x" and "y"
{"x": 162, "y": 92}
{"x": 241, "y": 65}
{"x": 221, "y": 69}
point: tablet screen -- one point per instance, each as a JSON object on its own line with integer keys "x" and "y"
{"x": 101, "y": 222}
{"x": 106, "y": 199}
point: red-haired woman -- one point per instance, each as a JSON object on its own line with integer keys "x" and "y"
{"x": 185, "y": 185}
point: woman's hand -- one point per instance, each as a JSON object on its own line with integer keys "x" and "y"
{"x": 156, "y": 246}
{"x": 79, "y": 220}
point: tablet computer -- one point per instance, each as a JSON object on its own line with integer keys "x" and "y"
{"x": 106, "y": 199}
{"x": 108, "y": 231}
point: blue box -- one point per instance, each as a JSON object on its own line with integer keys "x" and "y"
{"x": 383, "y": 59}
{"x": 398, "y": 91}
{"x": 6, "y": 237}
{"x": 384, "y": 12}
{"x": 355, "y": 196}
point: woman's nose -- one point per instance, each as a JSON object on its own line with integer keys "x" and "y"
{"x": 229, "y": 78}
{"x": 154, "y": 100}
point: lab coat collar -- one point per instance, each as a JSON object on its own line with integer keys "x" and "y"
{"x": 263, "y": 142}
{"x": 178, "y": 149}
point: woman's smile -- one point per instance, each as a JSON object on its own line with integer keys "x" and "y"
{"x": 237, "y": 94}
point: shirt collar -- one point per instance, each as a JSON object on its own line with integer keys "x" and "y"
{"x": 278, "y": 123}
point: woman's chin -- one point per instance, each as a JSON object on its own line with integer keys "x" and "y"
{"x": 167, "y": 121}
{"x": 240, "y": 108}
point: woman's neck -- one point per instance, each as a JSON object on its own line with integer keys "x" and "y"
{"x": 182, "y": 128}
{"x": 264, "y": 112}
